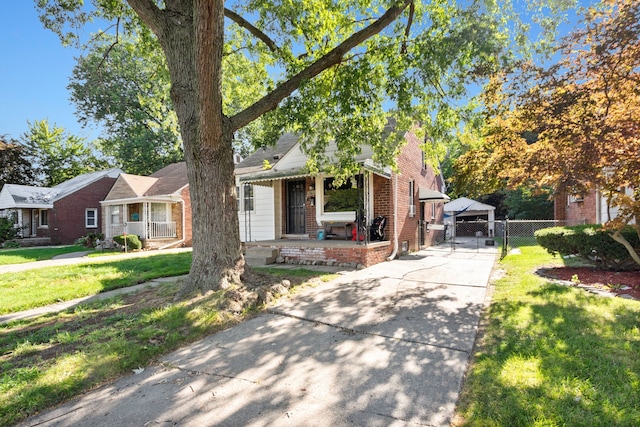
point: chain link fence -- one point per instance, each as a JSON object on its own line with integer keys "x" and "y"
{"x": 505, "y": 235}
{"x": 517, "y": 233}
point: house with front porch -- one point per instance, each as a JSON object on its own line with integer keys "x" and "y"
{"x": 156, "y": 208}
{"x": 59, "y": 214}
{"x": 302, "y": 217}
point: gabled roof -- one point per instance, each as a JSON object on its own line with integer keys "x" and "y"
{"x": 162, "y": 184}
{"x": 288, "y": 161}
{"x": 24, "y": 196}
{"x": 464, "y": 204}
{"x": 170, "y": 179}
{"x": 273, "y": 154}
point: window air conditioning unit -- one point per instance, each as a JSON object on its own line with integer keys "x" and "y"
{"x": 412, "y": 211}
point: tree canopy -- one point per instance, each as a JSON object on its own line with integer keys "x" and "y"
{"x": 57, "y": 155}
{"x": 124, "y": 88}
{"x": 15, "y": 167}
{"x": 325, "y": 70}
{"x": 573, "y": 125}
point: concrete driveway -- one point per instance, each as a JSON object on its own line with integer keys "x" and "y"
{"x": 383, "y": 346}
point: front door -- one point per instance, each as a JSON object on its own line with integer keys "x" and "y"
{"x": 423, "y": 226}
{"x": 296, "y": 207}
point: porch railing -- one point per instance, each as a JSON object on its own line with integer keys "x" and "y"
{"x": 156, "y": 230}
{"x": 162, "y": 229}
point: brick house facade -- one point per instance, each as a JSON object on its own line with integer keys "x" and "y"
{"x": 59, "y": 214}
{"x": 274, "y": 194}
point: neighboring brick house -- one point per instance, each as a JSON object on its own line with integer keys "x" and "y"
{"x": 60, "y": 214}
{"x": 286, "y": 208}
{"x": 592, "y": 207}
{"x": 156, "y": 208}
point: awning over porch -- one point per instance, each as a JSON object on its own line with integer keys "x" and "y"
{"x": 429, "y": 195}
{"x": 265, "y": 177}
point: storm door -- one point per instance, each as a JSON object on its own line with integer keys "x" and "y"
{"x": 296, "y": 207}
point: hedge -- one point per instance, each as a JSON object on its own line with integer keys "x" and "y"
{"x": 592, "y": 243}
{"x": 133, "y": 241}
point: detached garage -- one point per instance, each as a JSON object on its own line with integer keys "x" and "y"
{"x": 464, "y": 209}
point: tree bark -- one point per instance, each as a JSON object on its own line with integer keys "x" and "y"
{"x": 191, "y": 36}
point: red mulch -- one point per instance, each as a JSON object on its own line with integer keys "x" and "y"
{"x": 598, "y": 278}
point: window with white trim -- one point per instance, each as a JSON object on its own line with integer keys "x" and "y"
{"x": 247, "y": 197}
{"x": 43, "y": 218}
{"x": 159, "y": 212}
{"x": 91, "y": 218}
{"x": 345, "y": 197}
{"x": 114, "y": 214}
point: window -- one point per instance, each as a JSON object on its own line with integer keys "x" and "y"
{"x": 114, "y": 214}
{"x": 91, "y": 218}
{"x": 433, "y": 210}
{"x": 43, "y": 220}
{"x": 159, "y": 212}
{"x": 247, "y": 197}
{"x": 411, "y": 193}
{"x": 238, "y": 197}
{"x": 343, "y": 198}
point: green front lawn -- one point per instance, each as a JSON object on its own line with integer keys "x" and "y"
{"x": 553, "y": 355}
{"x": 40, "y": 287}
{"x": 49, "y": 359}
{"x": 23, "y": 255}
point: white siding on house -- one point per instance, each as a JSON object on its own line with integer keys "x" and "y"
{"x": 258, "y": 224}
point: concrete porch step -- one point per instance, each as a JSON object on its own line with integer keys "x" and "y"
{"x": 260, "y": 256}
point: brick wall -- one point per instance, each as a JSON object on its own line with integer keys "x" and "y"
{"x": 188, "y": 233}
{"x": 67, "y": 218}
{"x": 362, "y": 255}
{"x": 576, "y": 212}
{"x": 411, "y": 168}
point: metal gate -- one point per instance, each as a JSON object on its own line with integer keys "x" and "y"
{"x": 492, "y": 236}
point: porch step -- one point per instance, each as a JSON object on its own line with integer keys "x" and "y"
{"x": 260, "y": 256}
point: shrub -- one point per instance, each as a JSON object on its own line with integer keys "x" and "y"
{"x": 592, "y": 243}
{"x": 133, "y": 241}
{"x": 8, "y": 229}
{"x": 90, "y": 240}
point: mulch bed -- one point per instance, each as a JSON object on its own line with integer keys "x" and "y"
{"x": 617, "y": 283}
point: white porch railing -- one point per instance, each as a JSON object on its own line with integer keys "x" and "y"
{"x": 162, "y": 229}
{"x": 156, "y": 230}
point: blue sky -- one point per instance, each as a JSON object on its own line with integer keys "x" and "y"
{"x": 34, "y": 74}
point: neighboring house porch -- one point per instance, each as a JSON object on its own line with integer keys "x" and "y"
{"x": 156, "y": 208}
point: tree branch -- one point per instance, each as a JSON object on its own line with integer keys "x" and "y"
{"x": 251, "y": 28}
{"x": 271, "y": 100}
{"x": 149, "y": 13}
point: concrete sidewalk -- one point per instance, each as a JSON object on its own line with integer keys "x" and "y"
{"x": 387, "y": 345}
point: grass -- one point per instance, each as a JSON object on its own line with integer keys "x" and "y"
{"x": 23, "y": 255}
{"x": 40, "y": 287}
{"x": 552, "y": 355}
{"x": 47, "y": 360}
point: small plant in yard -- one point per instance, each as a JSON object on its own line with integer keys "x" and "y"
{"x": 615, "y": 286}
{"x": 575, "y": 279}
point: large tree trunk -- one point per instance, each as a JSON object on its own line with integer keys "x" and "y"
{"x": 192, "y": 37}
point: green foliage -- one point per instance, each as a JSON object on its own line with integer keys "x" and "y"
{"x": 133, "y": 241}
{"x": 8, "y": 229}
{"x": 90, "y": 239}
{"x": 58, "y": 155}
{"x": 592, "y": 243}
{"x": 124, "y": 88}
{"x": 15, "y": 167}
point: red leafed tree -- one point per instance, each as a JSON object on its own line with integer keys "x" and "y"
{"x": 576, "y": 124}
